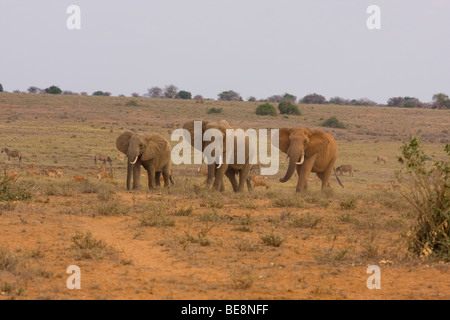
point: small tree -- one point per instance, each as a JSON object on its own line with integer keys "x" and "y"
{"x": 53, "y": 90}
{"x": 229, "y": 95}
{"x": 97, "y": 93}
{"x": 289, "y": 97}
{"x": 170, "y": 91}
{"x": 428, "y": 190}
{"x": 287, "y": 107}
{"x": 155, "y": 92}
{"x": 314, "y": 99}
{"x": 441, "y": 101}
{"x": 339, "y": 101}
{"x": 1, "y": 88}
{"x": 275, "y": 98}
{"x": 266, "y": 109}
{"x": 184, "y": 95}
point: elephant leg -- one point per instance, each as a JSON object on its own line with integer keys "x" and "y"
{"x": 231, "y": 175}
{"x": 151, "y": 178}
{"x": 243, "y": 178}
{"x": 166, "y": 176}
{"x": 303, "y": 172}
{"x": 211, "y": 174}
{"x": 218, "y": 180}
{"x": 136, "y": 176}
{"x": 158, "y": 178}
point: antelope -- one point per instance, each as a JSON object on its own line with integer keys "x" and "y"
{"x": 59, "y": 173}
{"x": 378, "y": 187}
{"x": 12, "y": 175}
{"x": 258, "y": 182}
{"x": 12, "y": 153}
{"x": 31, "y": 171}
{"x": 345, "y": 168}
{"x": 395, "y": 186}
{"x": 121, "y": 156}
{"x": 51, "y": 173}
{"x": 103, "y": 158}
{"x": 78, "y": 178}
{"x": 380, "y": 158}
{"x": 104, "y": 175}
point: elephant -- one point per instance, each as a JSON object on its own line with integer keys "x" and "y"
{"x": 308, "y": 151}
{"x": 223, "y": 166}
{"x": 151, "y": 151}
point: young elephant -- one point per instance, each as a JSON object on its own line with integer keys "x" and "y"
{"x": 151, "y": 151}
{"x": 308, "y": 151}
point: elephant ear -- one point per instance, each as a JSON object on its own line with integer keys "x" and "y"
{"x": 189, "y": 126}
{"x": 318, "y": 141}
{"x": 284, "y": 141}
{"x": 123, "y": 140}
{"x": 155, "y": 145}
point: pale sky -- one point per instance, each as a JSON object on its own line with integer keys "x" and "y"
{"x": 255, "y": 47}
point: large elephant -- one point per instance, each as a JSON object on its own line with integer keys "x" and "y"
{"x": 308, "y": 151}
{"x": 222, "y": 165}
{"x": 151, "y": 151}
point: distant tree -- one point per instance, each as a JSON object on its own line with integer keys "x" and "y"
{"x": 1, "y": 88}
{"x": 53, "y": 90}
{"x": 252, "y": 99}
{"x": 184, "y": 95}
{"x": 229, "y": 95}
{"x": 275, "y": 98}
{"x": 395, "y": 102}
{"x": 68, "y": 92}
{"x": 314, "y": 99}
{"x": 339, "y": 101}
{"x": 98, "y": 93}
{"x": 107, "y": 94}
{"x": 199, "y": 98}
{"x": 441, "y": 101}
{"x": 289, "y": 97}
{"x": 170, "y": 91}
{"x": 287, "y": 107}
{"x": 266, "y": 109}
{"x": 406, "y": 102}
{"x": 155, "y": 92}
{"x": 135, "y": 95}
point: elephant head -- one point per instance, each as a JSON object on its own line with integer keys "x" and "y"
{"x": 300, "y": 145}
{"x": 149, "y": 150}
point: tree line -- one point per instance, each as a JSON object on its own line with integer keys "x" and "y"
{"x": 439, "y": 100}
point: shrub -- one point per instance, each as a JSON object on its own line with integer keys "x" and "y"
{"x": 428, "y": 191}
{"x": 229, "y": 95}
{"x": 184, "y": 95}
{"x": 314, "y": 99}
{"x": 53, "y": 90}
{"x": 1, "y": 88}
{"x": 266, "y": 109}
{"x": 11, "y": 191}
{"x": 287, "y": 107}
{"x": 132, "y": 102}
{"x": 98, "y": 93}
{"x": 214, "y": 110}
{"x": 333, "y": 122}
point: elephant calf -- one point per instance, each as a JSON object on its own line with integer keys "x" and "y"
{"x": 151, "y": 151}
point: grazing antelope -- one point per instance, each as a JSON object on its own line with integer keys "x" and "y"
{"x": 395, "y": 186}
{"x": 59, "y": 173}
{"x": 11, "y": 175}
{"x": 345, "y": 168}
{"x": 258, "y": 182}
{"x": 121, "y": 156}
{"x": 380, "y": 158}
{"x": 12, "y": 153}
{"x": 78, "y": 178}
{"x": 31, "y": 171}
{"x": 204, "y": 172}
{"x": 91, "y": 174}
{"x": 378, "y": 187}
{"x": 104, "y": 175}
{"x": 51, "y": 173}
{"x": 103, "y": 158}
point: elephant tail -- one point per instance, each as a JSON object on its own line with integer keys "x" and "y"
{"x": 171, "y": 181}
{"x": 338, "y": 179}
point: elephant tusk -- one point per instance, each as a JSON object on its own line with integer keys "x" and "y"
{"x": 301, "y": 160}
{"x": 220, "y": 162}
{"x": 135, "y": 159}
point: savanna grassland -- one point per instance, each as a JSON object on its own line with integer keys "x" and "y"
{"x": 189, "y": 242}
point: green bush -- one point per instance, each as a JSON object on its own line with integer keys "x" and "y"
{"x": 214, "y": 110}
{"x": 266, "y": 109}
{"x": 333, "y": 122}
{"x": 287, "y": 107}
{"x": 428, "y": 190}
{"x": 183, "y": 95}
{"x": 53, "y": 90}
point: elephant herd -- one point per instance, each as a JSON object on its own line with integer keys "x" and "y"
{"x": 308, "y": 150}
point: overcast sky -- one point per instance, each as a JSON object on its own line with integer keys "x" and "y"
{"x": 255, "y": 47}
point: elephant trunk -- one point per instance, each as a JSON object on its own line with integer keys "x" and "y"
{"x": 129, "y": 175}
{"x": 293, "y": 163}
